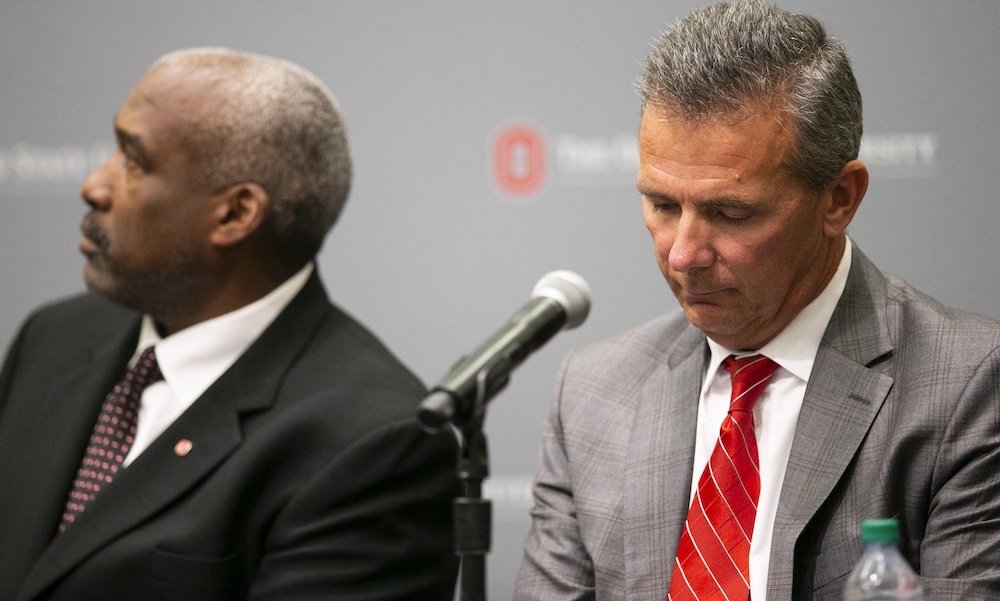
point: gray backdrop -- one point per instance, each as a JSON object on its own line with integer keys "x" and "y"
{"x": 451, "y": 220}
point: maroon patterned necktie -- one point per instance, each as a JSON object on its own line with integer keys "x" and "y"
{"x": 113, "y": 436}
{"x": 713, "y": 558}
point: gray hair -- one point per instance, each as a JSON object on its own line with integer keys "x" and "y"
{"x": 724, "y": 57}
{"x": 277, "y": 126}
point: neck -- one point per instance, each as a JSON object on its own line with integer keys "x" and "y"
{"x": 828, "y": 260}
{"x": 223, "y": 294}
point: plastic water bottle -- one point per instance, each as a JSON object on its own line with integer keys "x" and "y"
{"x": 882, "y": 573}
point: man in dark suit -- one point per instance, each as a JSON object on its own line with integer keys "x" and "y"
{"x": 877, "y": 401}
{"x": 278, "y": 456}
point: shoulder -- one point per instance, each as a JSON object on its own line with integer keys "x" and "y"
{"x": 352, "y": 351}
{"x": 86, "y": 312}
{"x": 345, "y": 371}
{"x": 881, "y": 313}
{"x": 919, "y": 305}
{"x": 68, "y": 327}
{"x": 638, "y": 351}
{"x": 603, "y": 379}
{"x": 926, "y": 323}
{"x": 324, "y": 353}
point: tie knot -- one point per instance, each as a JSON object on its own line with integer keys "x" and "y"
{"x": 750, "y": 376}
{"x": 146, "y": 370}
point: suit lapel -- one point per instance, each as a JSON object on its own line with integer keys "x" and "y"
{"x": 841, "y": 401}
{"x": 160, "y": 475}
{"x": 660, "y": 454}
{"x": 37, "y": 498}
{"x": 152, "y": 482}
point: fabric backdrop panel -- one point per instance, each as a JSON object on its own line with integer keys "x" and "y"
{"x": 495, "y": 142}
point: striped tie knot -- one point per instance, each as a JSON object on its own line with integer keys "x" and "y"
{"x": 750, "y": 376}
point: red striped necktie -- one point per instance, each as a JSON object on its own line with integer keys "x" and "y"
{"x": 713, "y": 558}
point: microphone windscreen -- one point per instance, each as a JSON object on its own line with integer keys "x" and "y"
{"x": 568, "y": 289}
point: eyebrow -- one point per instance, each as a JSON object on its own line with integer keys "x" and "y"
{"x": 131, "y": 144}
{"x": 647, "y": 193}
{"x": 723, "y": 202}
{"x": 730, "y": 202}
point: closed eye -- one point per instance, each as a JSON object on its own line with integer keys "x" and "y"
{"x": 133, "y": 150}
{"x": 664, "y": 207}
{"x": 733, "y": 219}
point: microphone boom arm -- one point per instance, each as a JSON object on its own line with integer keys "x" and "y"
{"x": 478, "y": 377}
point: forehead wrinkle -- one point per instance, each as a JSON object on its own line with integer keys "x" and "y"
{"x": 673, "y": 167}
{"x": 659, "y": 168}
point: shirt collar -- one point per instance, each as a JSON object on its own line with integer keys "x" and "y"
{"x": 795, "y": 347}
{"x": 193, "y": 358}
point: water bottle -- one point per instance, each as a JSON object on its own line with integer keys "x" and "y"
{"x": 882, "y": 573}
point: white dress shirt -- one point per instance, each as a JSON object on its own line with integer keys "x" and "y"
{"x": 192, "y": 359}
{"x": 776, "y": 411}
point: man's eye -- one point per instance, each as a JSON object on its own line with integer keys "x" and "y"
{"x": 734, "y": 219}
{"x": 664, "y": 207}
{"x": 130, "y": 162}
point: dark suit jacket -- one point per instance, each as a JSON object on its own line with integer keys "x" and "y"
{"x": 901, "y": 418}
{"x": 309, "y": 477}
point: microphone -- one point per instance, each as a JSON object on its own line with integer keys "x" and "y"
{"x": 561, "y": 299}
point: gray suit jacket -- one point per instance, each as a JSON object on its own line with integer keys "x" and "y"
{"x": 901, "y": 418}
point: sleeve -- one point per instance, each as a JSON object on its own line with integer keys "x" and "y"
{"x": 961, "y": 544}
{"x": 374, "y": 524}
{"x": 556, "y": 564}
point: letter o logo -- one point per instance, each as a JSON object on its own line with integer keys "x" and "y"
{"x": 519, "y": 160}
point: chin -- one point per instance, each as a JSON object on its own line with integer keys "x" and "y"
{"x": 104, "y": 284}
{"x": 95, "y": 279}
{"x": 103, "y": 288}
{"x": 714, "y": 326}
{"x": 704, "y": 315}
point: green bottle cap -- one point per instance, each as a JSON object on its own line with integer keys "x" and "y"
{"x": 880, "y": 531}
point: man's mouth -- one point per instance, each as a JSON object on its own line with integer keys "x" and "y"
{"x": 94, "y": 239}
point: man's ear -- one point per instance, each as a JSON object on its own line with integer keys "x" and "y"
{"x": 846, "y": 193}
{"x": 240, "y": 212}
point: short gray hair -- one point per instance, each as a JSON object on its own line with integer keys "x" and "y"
{"x": 726, "y": 56}
{"x": 277, "y": 126}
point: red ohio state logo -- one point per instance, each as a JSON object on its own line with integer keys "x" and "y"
{"x": 519, "y": 160}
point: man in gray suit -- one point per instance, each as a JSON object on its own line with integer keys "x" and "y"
{"x": 884, "y": 403}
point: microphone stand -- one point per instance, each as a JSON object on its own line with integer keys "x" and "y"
{"x": 472, "y": 513}
{"x": 560, "y": 299}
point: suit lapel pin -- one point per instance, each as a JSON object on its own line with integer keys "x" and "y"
{"x": 183, "y": 447}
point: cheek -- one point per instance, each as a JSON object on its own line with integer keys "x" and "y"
{"x": 662, "y": 238}
{"x": 745, "y": 266}
{"x": 763, "y": 271}
{"x": 121, "y": 233}
{"x": 139, "y": 237}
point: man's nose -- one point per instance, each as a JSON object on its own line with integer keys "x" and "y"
{"x": 691, "y": 247}
{"x": 96, "y": 189}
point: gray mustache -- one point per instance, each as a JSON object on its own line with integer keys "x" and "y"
{"x": 93, "y": 231}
